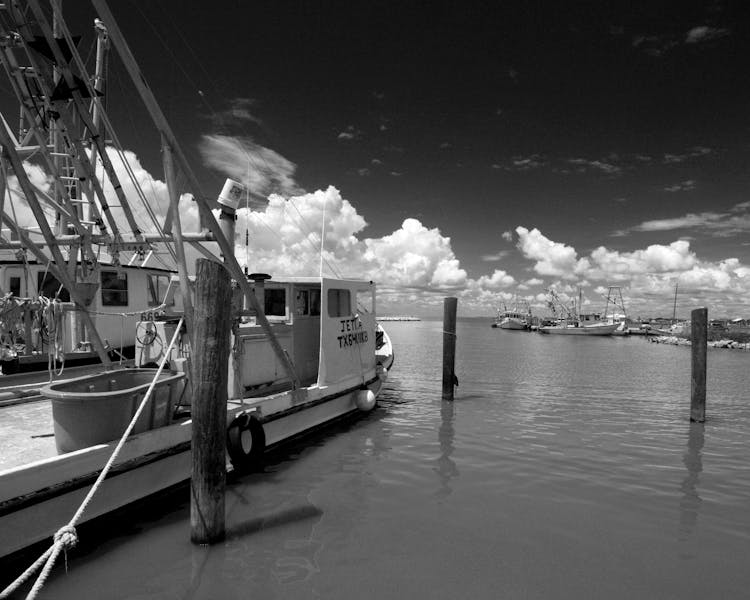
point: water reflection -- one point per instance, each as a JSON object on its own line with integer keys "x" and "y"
{"x": 446, "y": 467}
{"x": 691, "y": 501}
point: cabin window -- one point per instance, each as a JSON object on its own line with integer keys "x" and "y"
{"x": 114, "y": 288}
{"x": 314, "y": 303}
{"x": 157, "y": 289}
{"x": 339, "y": 303}
{"x": 275, "y": 302}
{"x": 302, "y": 302}
{"x": 49, "y": 286}
{"x": 364, "y": 301}
{"x": 15, "y": 286}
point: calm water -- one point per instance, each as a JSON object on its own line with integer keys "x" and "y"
{"x": 565, "y": 468}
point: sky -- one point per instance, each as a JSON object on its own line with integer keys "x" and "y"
{"x": 484, "y": 150}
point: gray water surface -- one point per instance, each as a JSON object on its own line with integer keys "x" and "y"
{"x": 566, "y": 467}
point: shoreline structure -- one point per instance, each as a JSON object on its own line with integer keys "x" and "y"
{"x": 683, "y": 341}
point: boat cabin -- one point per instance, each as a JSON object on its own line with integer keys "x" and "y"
{"x": 117, "y": 295}
{"x": 325, "y": 326}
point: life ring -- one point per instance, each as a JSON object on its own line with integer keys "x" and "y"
{"x": 246, "y": 442}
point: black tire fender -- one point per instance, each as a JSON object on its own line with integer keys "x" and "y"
{"x": 246, "y": 442}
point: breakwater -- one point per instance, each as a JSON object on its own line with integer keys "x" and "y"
{"x": 682, "y": 341}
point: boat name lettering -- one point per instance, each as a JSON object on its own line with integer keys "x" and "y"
{"x": 349, "y": 339}
{"x": 350, "y": 324}
{"x": 351, "y": 333}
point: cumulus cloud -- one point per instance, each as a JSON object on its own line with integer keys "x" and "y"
{"x": 285, "y": 240}
{"x": 497, "y": 281}
{"x": 647, "y": 276}
{"x": 657, "y": 258}
{"x": 551, "y": 258}
{"x": 414, "y": 256}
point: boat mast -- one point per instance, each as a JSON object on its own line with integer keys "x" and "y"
{"x": 674, "y": 307}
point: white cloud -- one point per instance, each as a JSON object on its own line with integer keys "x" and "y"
{"x": 507, "y": 236}
{"x": 584, "y": 165}
{"x": 495, "y": 257}
{"x": 683, "y": 186}
{"x": 735, "y": 220}
{"x": 414, "y": 256}
{"x": 261, "y": 169}
{"x": 497, "y": 281}
{"x": 647, "y": 276}
{"x": 703, "y": 33}
{"x": 612, "y": 265}
{"x": 551, "y": 258}
{"x": 350, "y": 133}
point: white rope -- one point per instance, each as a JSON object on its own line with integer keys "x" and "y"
{"x": 66, "y": 536}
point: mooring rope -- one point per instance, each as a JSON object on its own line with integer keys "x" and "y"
{"x": 66, "y": 537}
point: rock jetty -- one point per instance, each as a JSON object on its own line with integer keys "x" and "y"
{"x": 681, "y": 341}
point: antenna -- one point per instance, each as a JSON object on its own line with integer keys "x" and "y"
{"x": 322, "y": 235}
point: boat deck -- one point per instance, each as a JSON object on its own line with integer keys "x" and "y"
{"x": 27, "y": 434}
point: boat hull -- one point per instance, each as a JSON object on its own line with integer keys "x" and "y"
{"x": 606, "y": 329}
{"x": 39, "y": 498}
{"x": 509, "y": 323}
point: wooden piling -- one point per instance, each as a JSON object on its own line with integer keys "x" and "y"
{"x": 210, "y": 358}
{"x": 449, "y": 347}
{"x": 699, "y": 338}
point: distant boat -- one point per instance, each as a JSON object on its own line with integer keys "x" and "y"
{"x": 576, "y": 323}
{"x": 577, "y": 328}
{"x": 519, "y": 317}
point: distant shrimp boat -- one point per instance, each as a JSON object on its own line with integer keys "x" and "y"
{"x": 512, "y": 320}
{"x": 576, "y": 323}
{"x": 577, "y": 328}
{"x": 517, "y": 318}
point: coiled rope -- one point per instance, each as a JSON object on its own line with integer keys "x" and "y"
{"x": 66, "y": 537}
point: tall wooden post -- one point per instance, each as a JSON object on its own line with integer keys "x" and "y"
{"x": 212, "y": 317}
{"x": 699, "y": 337}
{"x": 449, "y": 347}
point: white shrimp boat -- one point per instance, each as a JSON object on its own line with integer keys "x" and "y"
{"x": 517, "y": 318}
{"x": 576, "y": 328}
{"x": 511, "y": 319}
{"x": 304, "y": 350}
{"x": 574, "y": 322}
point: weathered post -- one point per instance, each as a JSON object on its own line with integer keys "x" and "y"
{"x": 699, "y": 338}
{"x": 449, "y": 347}
{"x": 212, "y": 310}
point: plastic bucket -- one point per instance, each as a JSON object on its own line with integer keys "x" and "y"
{"x": 94, "y": 409}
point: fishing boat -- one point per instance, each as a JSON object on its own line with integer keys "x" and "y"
{"x": 304, "y": 350}
{"x": 577, "y": 328}
{"x": 518, "y": 317}
{"x": 573, "y": 322}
